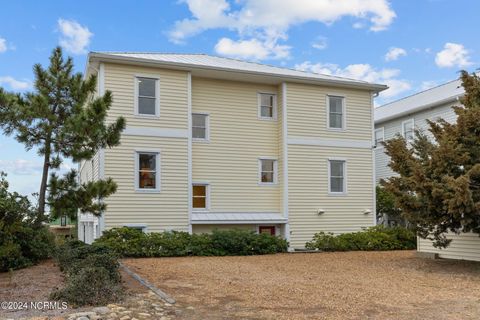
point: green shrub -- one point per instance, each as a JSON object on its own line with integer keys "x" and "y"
{"x": 372, "y": 239}
{"x": 134, "y": 243}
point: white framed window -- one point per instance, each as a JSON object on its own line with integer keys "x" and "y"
{"x": 147, "y": 171}
{"x": 200, "y": 127}
{"x": 337, "y": 176}
{"x": 267, "y": 106}
{"x": 147, "y": 96}
{"x": 379, "y": 137}
{"x": 267, "y": 171}
{"x": 408, "y": 130}
{"x": 200, "y": 196}
{"x": 336, "y": 112}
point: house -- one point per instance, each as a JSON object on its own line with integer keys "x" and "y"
{"x": 402, "y": 117}
{"x": 220, "y": 143}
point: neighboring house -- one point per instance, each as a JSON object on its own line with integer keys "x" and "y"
{"x": 402, "y": 117}
{"x": 220, "y": 143}
{"x": 63, "y": 227}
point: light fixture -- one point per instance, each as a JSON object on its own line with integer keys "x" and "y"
{"x": 367, "y": 211}
{"x": 320, "y": 211}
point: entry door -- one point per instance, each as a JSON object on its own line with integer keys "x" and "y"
{"x": 267, "y": 229}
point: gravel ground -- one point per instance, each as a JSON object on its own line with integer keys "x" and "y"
{"x": 351, "y": 285}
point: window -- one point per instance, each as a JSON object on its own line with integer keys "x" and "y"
{"x": 200, "y": 126}
{"x": 271, "y": 230}
{"x": 337, "y": 176}
{"x": 147, "y": 177}
{"x": 63, "y": 221}
{"x": 268, "y": 171}
{"x": 147, "y": 96}
{"x": 336, "y": 112}
{"x": 200, "y": 196}
{"x": 408, "y": 130}
{"x": 137, "y": 226}
{"x": 267, "y": 106}
{"x": 378, "y": 137}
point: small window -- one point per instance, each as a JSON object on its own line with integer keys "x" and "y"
{"x": 63, "y": 221}
{"x": 408, "y": 130}
{"x": 148, "y": 171}
{"x": 267, "y": 106}
{"x": 268, "y": 171}
{"x": 336, "y": 112}
{"x": 337, "y": 176}
{"x": 147, "y": 96}
{"x": 200, "y": 196}
{"x": 200, "y": 126}
{"x": 271, "y": 230}
{"x": 378, "y": 137}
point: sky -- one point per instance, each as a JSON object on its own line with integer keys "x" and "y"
{"x": 410, "y": 45}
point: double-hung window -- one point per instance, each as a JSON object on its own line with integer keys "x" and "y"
{"x": 379, "y": 137}
{"x": 337, "y": 176}
{"x": 408, "y": 130}
{"x": 147, "y": 100}
{"x": 148, "y": 171}
{"x": 200, "y": 123}
{"x": 267, "y": 171}
{"x": 200, "y": 196}
{"x": 267, "y": 106}
{"x": 336, "y": 112}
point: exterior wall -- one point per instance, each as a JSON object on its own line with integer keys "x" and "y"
{"x": 308, "y": 164}
{"x": 394, "y": 127}
{"x": 229, "y": 161}
{"x": 208, "y": 228}
{"x": 465, "y": 246}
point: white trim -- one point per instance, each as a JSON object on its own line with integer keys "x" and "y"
{"x": 274, "y": 106}
{"x": 344, "y": 111}
{"x": 374, "y": 169}
{"x": 157, "y": 95}
{"x": 189, "y": 152}
{"x": 157, "y": 170}
{"x": 156, "y": 132}
{"x": 275, "y": 171}
{"x": 207, "y": 196}
{"x": 382, "y": 129}
{"x": 403, "y": 127}
{"x": 309, "y": 141}
{"x": 207, "y": 127}
{"x": 345, "y": 191}
{"x": 285, "y": 159}
{"x": 264, "y": 222}
{"x": 137, "y": 225}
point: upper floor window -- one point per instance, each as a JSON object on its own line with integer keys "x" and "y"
{"x": 408, "y": 130}
{"x": 148, "y": 171}
{"x": 267, "y": 108}
{"x": 200, "y": 126}
{"x": 147, "y": 100}
{"x": 336, "y": 112}
{"x": 379, "y": 137}
{"x": 268, "y": 171}
{"x": 337, "y": 176}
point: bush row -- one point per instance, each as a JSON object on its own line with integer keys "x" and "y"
{"x": 91, "y": 272}
{"x": 129, "y": 242}
{"x": 374, "y": 238}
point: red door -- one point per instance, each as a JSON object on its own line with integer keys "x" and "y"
{"x": 267, "y": 229}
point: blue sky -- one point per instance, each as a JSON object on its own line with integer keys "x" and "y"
{"x": 410, "y": 45}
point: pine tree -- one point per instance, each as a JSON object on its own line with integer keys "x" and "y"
{"x": 438, "y": 187}
{"x": 62, "y": 118}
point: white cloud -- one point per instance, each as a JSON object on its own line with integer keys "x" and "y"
{"x": 75, "y": 38}
{"x": 3, "y": 45}
{"x": 395, "y": 53}
{"x": 320, "y": 43}
{"x": 269, "y": 20}
{"x": 363, "y": 72}
{"x": 15, "y": 84}
{"x": 21, "y": 166}
{"x": 251, "y": 49}
{"x": 453, "y": 55}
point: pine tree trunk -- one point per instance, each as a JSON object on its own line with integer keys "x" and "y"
{"x": 43, "y": 184}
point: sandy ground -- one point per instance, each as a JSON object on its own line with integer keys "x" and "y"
{"x": 351, "y": 285}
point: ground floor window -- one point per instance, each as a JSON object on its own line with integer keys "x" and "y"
{"x": 200, "y": 196}
{"x": 267, "y": 229}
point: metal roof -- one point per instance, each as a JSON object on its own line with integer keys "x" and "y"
{"x": 203, "y": 61}
{"x": 441, "y": 94}
{"x": 239, "y": 218}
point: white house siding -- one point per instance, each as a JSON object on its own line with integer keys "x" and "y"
{"x": 465, "y": 246}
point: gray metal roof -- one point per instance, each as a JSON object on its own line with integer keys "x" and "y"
{"x": 444, "y": 93}
{"x": 204, "y": 61}
{"x": 210, "y": 217}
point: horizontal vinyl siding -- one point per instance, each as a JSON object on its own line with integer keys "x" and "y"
{"x": 465, "y": 246}
{"x": 308, "y": 191}
{"x": 237, "y": 139}
{"x": 173, "y": 96}
{"x": 165, "y": 210}
{"x": 307, "y": 112}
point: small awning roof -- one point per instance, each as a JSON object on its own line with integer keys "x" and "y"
{"x": 237, "y": 218}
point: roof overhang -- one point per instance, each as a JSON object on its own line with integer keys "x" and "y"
{"x": 237, "y": 218}
{"x": 94, "y": 58}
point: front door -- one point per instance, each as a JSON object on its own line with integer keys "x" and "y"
{"x": 267, "y": 229}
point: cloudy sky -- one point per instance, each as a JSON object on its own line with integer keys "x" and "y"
{"x": 410, "y": 45}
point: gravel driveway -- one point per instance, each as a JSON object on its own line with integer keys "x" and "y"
{"x": 351, "y": 285}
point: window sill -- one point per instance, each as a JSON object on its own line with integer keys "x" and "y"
{"x": 147, "y": 190}
{"x": 268, "y": 184}
{"x": 200, "y": 140}
{"x": 147, "y": 116}
{"x": 267, "y": 119}
{"x": 338, "y": 194}
{"x": 199, "y": 210}
{"x": 337, "y": 129}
